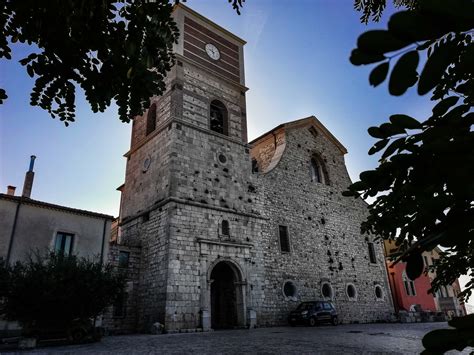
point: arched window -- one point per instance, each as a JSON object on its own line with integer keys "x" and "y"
{"x": 151, "y": 119}
{"x": 351, "y": 292}
{"x": 318, "y": 171}
{"x": 326, "y": 290}
{"x": 218, "y": 117}
{"x": 315, "y": 171}
{"x": 409, "y": 285}
{"x": 254, "y": 165}
{"x": 378, "y": 292}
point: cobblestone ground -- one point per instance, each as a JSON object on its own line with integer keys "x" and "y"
{"x": 343, "y": 339}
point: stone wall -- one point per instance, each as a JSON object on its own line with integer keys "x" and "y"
{"x": 325, "y": 239}
{"x": 196, "y": 245}
{"x": 199, "y": 89}
{"x": 211, "y": 169}
{"x": 211, "y": 182}
{"x": 145, "y": 186}
{"x": 198, "y": 178}
{"x": 126, "y": 323}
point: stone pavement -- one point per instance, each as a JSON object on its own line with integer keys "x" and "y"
{"x": 343, "y": 339}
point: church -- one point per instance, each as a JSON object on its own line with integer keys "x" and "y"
{"x": 218, "y": 232}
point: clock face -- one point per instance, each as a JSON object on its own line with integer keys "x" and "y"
{"x": 212, "y": 51}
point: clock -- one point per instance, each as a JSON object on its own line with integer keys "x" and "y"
{"x": 212, "y": 51}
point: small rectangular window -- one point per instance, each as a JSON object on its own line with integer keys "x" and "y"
{"x": 225, "y": 228}
{"x": 151, "y": 119}
{"x": 372, "y": 257}
{"x": 124, "y": 257}
{"x": 63, "y": 243}
{"x": 284, "y": 239}
{"x": 120, "y": 305}
{"x": 254, "y": 166}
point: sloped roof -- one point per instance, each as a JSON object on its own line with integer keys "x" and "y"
{"x": 303, "y": 122}
{"x": 29, "y": 201}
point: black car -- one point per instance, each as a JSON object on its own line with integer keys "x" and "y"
{"x": 313, "y": 312}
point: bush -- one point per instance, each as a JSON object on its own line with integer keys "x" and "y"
{"x": 55, "y": 290}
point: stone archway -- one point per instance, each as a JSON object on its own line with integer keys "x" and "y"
{"x": 227, "y": 304}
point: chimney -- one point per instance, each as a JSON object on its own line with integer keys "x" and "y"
{"x": 11, "y": 190}
{"x": 30, "y": 175}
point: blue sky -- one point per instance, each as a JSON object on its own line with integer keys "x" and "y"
{"x": 297, "y": 65}
{"x": 296, "y": 62}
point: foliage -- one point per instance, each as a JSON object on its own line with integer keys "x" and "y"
{"x": 114, "y": 50}
{"x": 442, "y": 340}
{"x": 56, "y": 289}
{"x": 374, "y": 8}
{"x": 423, "y": 187}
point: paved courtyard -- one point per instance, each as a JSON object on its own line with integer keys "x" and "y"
{"x": 343, "y": 339}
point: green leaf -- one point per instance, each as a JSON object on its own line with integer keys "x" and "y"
{"x": 396, "y": 144}
{"x": 378, "y": 74}
{"x": 149, "y": 61}
{"x": 375, "y": 132}
{"x": 405, "y": 121}
{"x": 349, "y": 193}
{"x": 425, "y": 45}
{"x": 443, "y": 106}
{"x": 3, "y": 96}
{"x": 435, "y": 67}
{"x": 404, "y": 73}
{"x": 439, "y": 341}
{"x": 461, "y": 11}
{"x": 415, "y": 266}
{"x": 466, "y": 322}
{"x": 369, "y": 176}
{"x": 413, "y": 26}
{"x": 389, "y": 129}
{"x": 358, "y": 186}
{"x": 359, "y": 57}
{"x": 379, "y": 42}
{"x": 29, "y": 70}
{"x": 378, "y": 146}
{"x": 463, "y": 88}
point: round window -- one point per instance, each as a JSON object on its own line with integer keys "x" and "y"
{"x": 289, "y": 289}
{"x": 222, "y": 158}
{"x": 378, "y": 292}
{"x": 351, "y": 291}
{"x": 326, "y": 290}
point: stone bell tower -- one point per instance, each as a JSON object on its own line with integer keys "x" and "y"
{"x": 189, "y": 199}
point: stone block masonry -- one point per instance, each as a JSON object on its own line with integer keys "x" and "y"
{"x": 235, "y": 234}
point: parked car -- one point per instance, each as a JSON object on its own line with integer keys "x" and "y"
{"x": 313, "y": 312}
{"x": 79, "y": 331}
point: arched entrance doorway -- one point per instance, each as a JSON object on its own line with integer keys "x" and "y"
{"x": 226, "y": 296}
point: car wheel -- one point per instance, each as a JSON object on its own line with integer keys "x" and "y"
{"x": 334, "y": 321}
{"x": 312, "y": 322}
{"x": 78, "y": 335}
